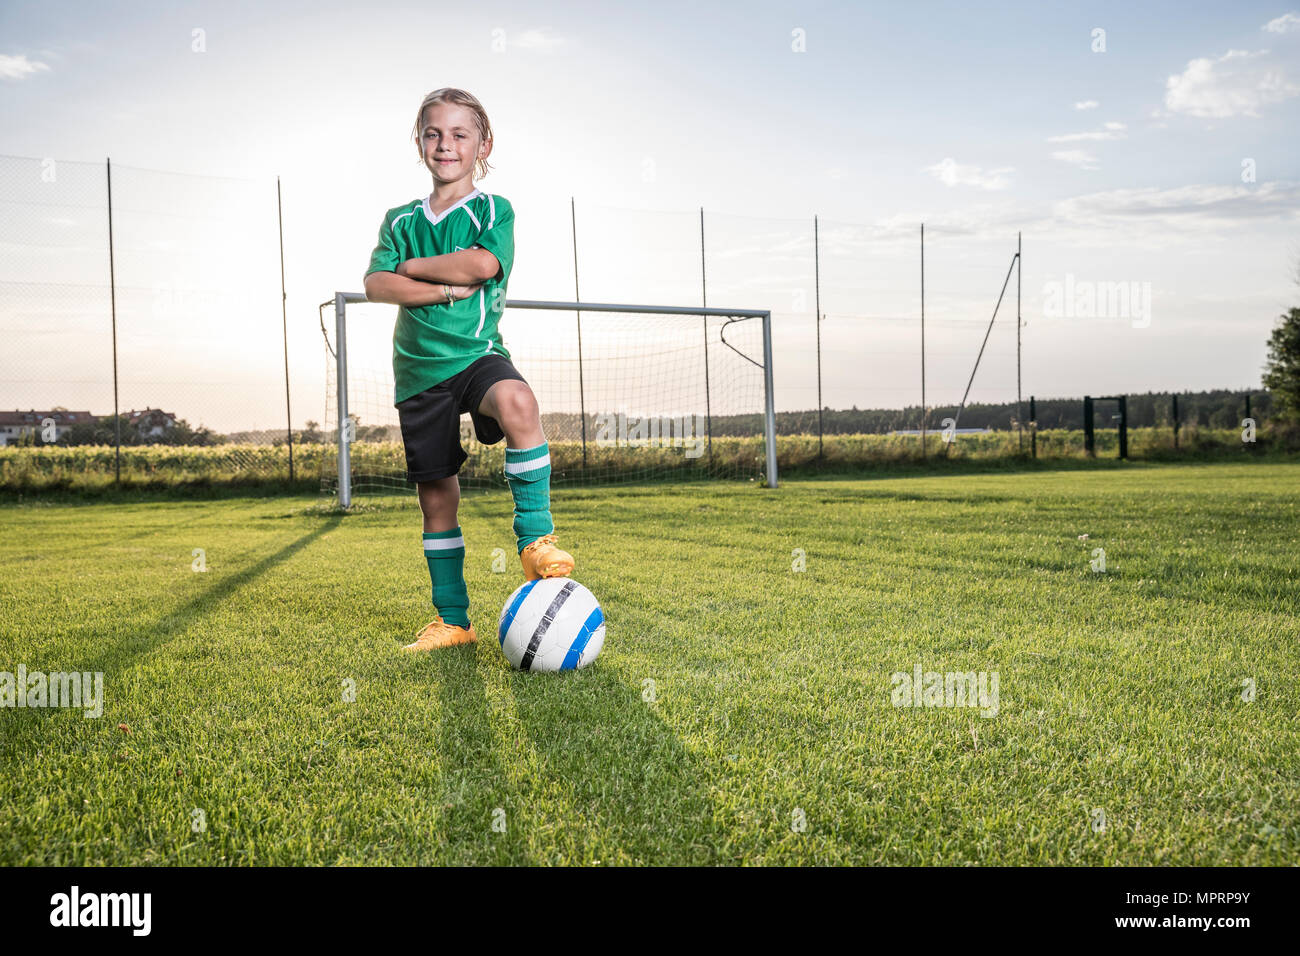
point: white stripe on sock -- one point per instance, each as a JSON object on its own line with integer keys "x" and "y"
{"x": 518, "y": 467}
{"x": 442, "y": 544}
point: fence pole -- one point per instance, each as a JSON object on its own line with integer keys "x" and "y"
{"x": 1033, "y": 427}
{"x": 1123, "y": 426}
{"x": 284, "y": 325}
{"x": 962, "y": 407}
{"x": 1087, "y": 427}
{"x": 817, "y": 323}
{"x": 112, "y": 292}
{"x": 924, "y": 409}
{"x": 577, "y": 297}
{"x": 704, "y": 296}
{"x": 1175, "y": 415}
{"x": 1020, "y": 428}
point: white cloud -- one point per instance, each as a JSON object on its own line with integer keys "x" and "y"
{"x": 951, "y": 173}
{"x": 17, "y": 67}
{"x": 1283, "y": 24}
{"x": 534, "y": 40}
{"x": 1190, "y": 217}
{"x": 1203, "y": 208}
{"x": 1238, "y": 83}
{"x": 1108, "y": 131}
{"x": 972, "y": 220}
{"x": 1076, "y": 157}
{"x": 1086, "y": 105}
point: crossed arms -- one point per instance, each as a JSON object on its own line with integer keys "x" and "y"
{"x": 421, "y": 281}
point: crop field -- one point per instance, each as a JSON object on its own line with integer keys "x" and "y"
{"x": 96, "y": 469}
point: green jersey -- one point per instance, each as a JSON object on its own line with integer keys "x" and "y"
{"x": 431, "y": 343}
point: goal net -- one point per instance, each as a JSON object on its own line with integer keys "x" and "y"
{"x": 627, "y": 393}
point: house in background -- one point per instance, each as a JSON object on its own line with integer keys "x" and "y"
{"x": 15, "y": 424}
{"x": 148, "y": 423}
{"x": 151, "y": 422}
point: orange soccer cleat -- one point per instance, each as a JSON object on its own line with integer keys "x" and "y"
{"x": 438, "y": 633}
{"x": 542, "y": 559}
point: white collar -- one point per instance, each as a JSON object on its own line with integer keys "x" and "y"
{"x": 435, "y": 219}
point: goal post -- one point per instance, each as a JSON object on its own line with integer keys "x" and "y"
{"x": 343, "y": 427}
{"x": 628, "y": 398}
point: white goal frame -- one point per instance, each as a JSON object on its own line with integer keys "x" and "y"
{"x": 341, "y": 300}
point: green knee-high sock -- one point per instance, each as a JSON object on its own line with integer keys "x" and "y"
{"x": 445, "y": 551}
{"x": 528, "y": 473}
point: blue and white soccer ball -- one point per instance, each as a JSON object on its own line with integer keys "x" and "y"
{"x": 551, "y": 624}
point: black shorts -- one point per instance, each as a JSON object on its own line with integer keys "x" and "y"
{"x": 431, "y": 419}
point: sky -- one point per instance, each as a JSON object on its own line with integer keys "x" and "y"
{"x": 1144, "y": 155}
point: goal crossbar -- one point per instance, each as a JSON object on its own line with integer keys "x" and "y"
{"x": 341, "y": 300}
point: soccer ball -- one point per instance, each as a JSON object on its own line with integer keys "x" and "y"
{"x": 551, "y": 624}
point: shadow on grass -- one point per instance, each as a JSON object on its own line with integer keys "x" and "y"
{"x": 636, "y": 792}
{"x": 474, "y": 776}
{"x": 939, "y": 467}
{"x": 582, "y": 767}
{"x": 161, "y": 490}
{"x": 146, "y": 635}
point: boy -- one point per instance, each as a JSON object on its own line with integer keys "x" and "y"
{"x": 445, "y": 261}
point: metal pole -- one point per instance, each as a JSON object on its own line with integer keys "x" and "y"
{"x": 112, "y": 291}
{"x": 624, "y": 307}
{"x": 966, "y": 394}
{"x": 704, "y": 295}
{"x": 924, "y": 409}
{"x": 1088, "y": 447}
{"x": 341, "y": 353}
{"x": 1020, "y": 428}
{"x": 769, "y": 400}
{"x": 284, "y": 324}
{"x": 1123, "y": 426}
{"x": 817, "y": 321}
{"x": 577, "y": 297}
{"x": 1033, "y": 427}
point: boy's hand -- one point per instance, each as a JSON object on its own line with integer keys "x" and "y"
{"x": 459, "y": 292}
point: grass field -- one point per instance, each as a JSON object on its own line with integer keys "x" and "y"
{"x": 735, "y": 696}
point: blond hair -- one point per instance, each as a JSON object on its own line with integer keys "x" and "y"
{"x": 449, "y": 94}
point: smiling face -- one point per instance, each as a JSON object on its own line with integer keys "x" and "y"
{"x": 450, "y": 142}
